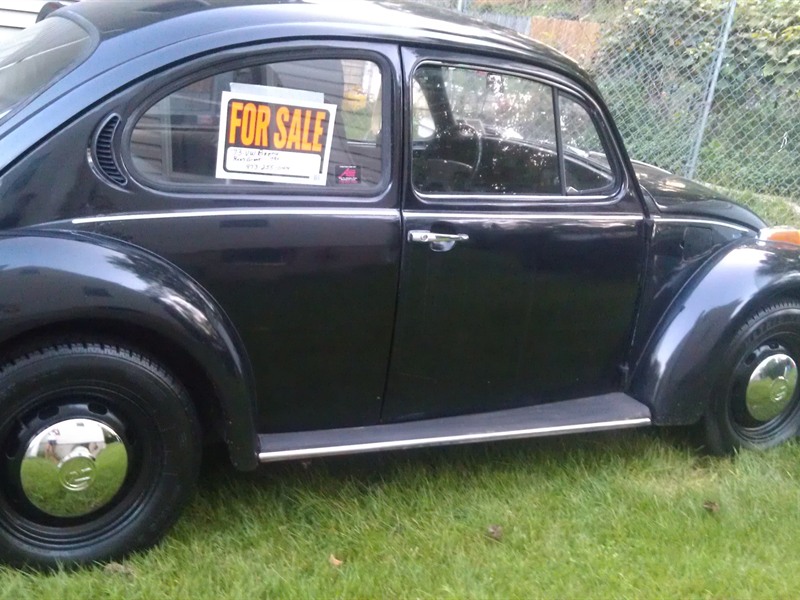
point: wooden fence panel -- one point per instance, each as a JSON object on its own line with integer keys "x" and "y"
{"x": 577, "y": 39}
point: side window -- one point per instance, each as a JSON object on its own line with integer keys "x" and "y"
{"x": 422, "y": 121}
{"x": 488, "y": 133}
{"x": 586, "y": 169}
{"x": 297, "y": 123}
{"x": 477, "y": 132}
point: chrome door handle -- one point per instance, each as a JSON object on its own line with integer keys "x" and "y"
{"x": 426, "y": 237}
{"x": 440, "y": 242}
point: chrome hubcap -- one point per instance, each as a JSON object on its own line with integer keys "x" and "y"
{"x": 771, "y": 387}
{"x": 73, "y": 467}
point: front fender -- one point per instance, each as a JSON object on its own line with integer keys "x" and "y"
{"x": 681, "y": 362}
{"x": 58, "y": 277}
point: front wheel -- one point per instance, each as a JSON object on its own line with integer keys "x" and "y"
{"x": 756, "y": 403}
{"x": 100, "y": 453}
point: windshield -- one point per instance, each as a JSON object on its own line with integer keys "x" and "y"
{"x": 32, "y": 59}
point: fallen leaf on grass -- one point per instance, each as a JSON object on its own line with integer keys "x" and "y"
{"x": 711, "y": 506}
{"x": 335, "y": 562}
{"x": 115, "y": 568}
{"x": 495, "y": 532}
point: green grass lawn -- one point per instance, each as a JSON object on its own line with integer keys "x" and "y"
{"x": 630, "y": 514}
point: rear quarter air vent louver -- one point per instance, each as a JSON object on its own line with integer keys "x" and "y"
{"x": 103, "y": 153}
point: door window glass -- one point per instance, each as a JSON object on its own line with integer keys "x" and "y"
{"x": 478, "y": 132}
{"x": 586, "y": 167}
{"x": 298, "y": 123}
{"x": 487, "y": 133}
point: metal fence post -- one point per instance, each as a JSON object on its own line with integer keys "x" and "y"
{"x": 691, "y": 166}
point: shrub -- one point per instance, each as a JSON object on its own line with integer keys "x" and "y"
{"x": 680, "y": 36}
{"x": 667, "y": 48}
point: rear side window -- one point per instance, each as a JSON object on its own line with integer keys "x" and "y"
{"x": 32, "y": 59}
{"x": 292, "y": 123}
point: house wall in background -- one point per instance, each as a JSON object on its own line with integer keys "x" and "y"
{"x": 18, "y": 14}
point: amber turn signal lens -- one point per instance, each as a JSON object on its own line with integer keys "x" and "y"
{"x": 781, "y": 234}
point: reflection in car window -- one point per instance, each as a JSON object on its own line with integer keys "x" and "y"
{"x": 337, "y": 105}
{"x": 31, "y": 59}
{"x": 586, "y": 167}
{"x": 422, "y": 125}
{"x": 482, "y": 132}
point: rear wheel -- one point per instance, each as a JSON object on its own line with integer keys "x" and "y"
{"x": 100, "y": 452}
{"x": 757, "y": 401}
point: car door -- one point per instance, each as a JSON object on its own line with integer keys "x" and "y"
{"x": 522, "y": 242}
{"x": 303, "y": 260}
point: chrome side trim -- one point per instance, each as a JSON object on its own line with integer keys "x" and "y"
{"x": 448, "y": 439}
{"x": 560, "y": 216}
{"x": 689, "y": 220}
{"x": 524, "y": 199}
{"x": 354, "y": 212}
{"x": 242, "y": 212}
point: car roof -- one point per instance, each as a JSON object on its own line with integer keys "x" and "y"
{"x": 149, "y": 24}
{"x": 136, "y": 37}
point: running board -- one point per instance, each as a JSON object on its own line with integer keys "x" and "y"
{"x": 596, "y": 413}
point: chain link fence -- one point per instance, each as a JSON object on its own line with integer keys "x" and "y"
{"x": 709, "y": 89}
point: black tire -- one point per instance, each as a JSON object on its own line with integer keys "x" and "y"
{"x": 729, "y": 422}
{"x": 117, "y": 388}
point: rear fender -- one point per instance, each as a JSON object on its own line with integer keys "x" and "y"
{"x": 681, "y": 363}
{"x": 57, "y": 277}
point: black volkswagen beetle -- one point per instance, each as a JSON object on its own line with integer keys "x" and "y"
{"x": 314, "y": 228}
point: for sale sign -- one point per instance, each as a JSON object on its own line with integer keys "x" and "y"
{"x": 265, "y": 137}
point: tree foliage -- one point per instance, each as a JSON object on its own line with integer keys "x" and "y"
{"x": 683, "y": 35}
{"x": 655, "y": 66}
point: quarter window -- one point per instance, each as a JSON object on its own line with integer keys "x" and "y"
{"x": 478, "y": 132}
{"x": 297, "y": 123}
{"x": 586, "y": 168}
